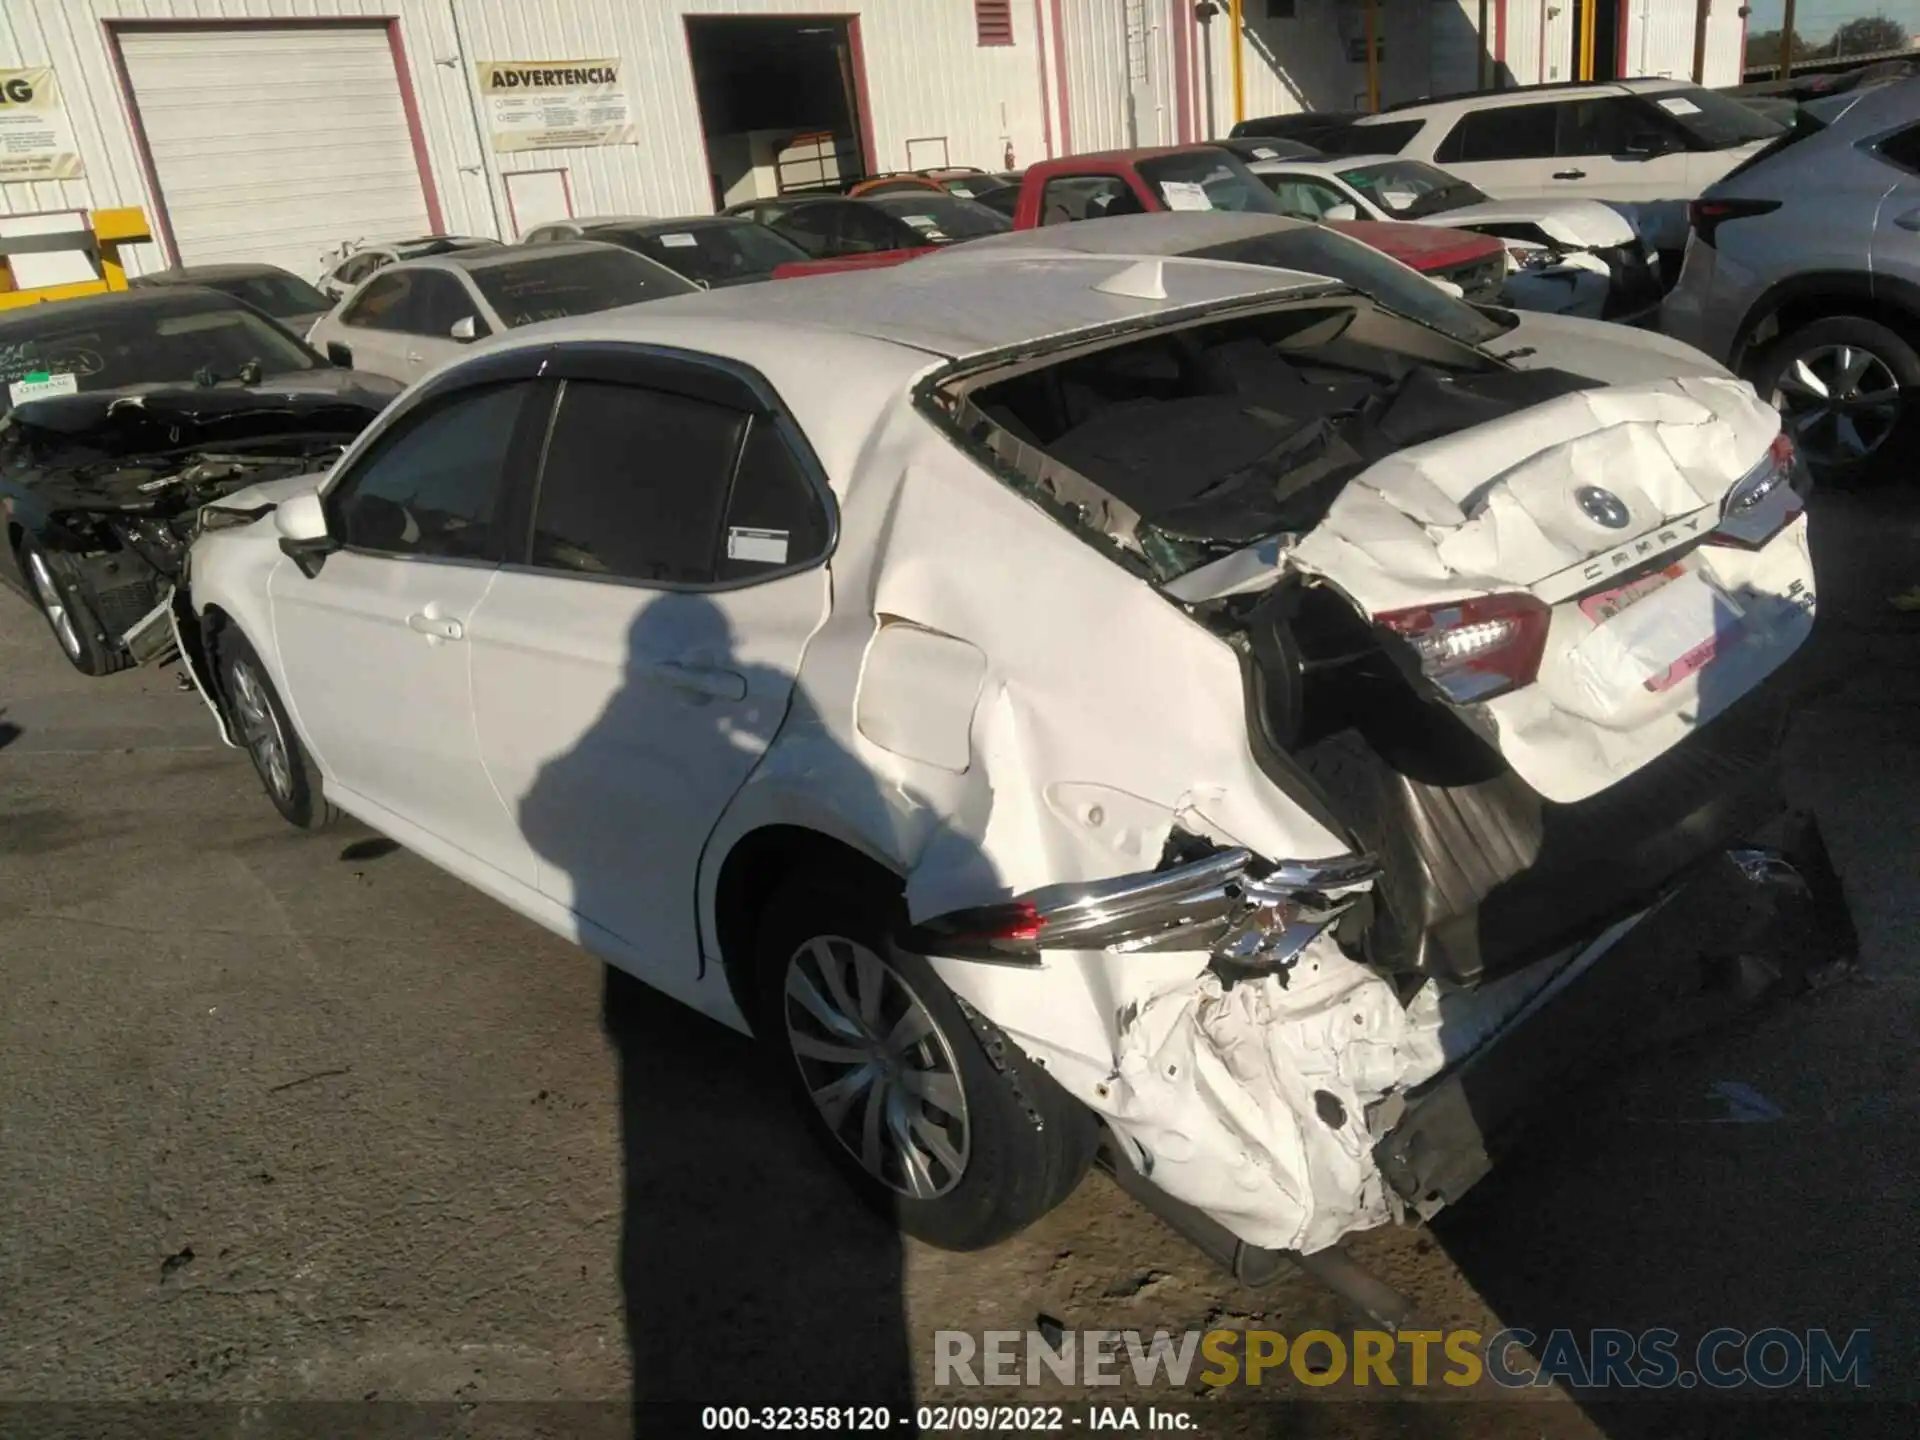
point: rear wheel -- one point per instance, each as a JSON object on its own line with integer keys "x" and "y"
{"x": 934, "y": 1116}
{"x": 287, "y": 772}
{"x": 1845, "y": 388}
{"x": 68, "y": 615}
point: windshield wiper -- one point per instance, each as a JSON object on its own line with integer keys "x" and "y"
{"x": 248, "y": 374}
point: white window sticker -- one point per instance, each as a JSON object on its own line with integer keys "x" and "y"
{"x": 37, "y": 384}
{"x": 1186, "y": 195}
{"x": 921, "y": 222}
{"x": 1265, "y": 152}
{"x": 679, "y": 241}
{"x": 1399, "y": 199}
{"x": 766, "y": 547}
{"x": 962, "y": 191}
{"x": 1679, "y": 106}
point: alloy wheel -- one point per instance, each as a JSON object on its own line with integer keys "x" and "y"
{"x": 1841, "y": 402}
{"x": 54, "y": 603}
{"x": 879, "y": 1070}
{"x": 260, "y": 731}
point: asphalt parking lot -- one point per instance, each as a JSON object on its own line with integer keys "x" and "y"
{"x": 293, "y": 1117}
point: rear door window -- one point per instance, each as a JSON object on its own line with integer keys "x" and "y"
{"x": 635, "y": 484}
{"x": 1506, "y": 132}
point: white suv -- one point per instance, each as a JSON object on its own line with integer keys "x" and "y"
{"x": 1622, "y": 140}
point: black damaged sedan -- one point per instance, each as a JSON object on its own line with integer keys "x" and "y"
{"x": 124, "y": 414}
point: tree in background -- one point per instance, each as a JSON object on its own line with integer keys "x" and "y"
{"x": 1763, "y": 48}
{"x": 1865, "y": 34}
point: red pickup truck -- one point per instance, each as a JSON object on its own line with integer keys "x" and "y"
{"x": 1203, "y": 177}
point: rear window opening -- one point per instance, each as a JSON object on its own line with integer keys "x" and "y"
{"x": 1187, "y": 444}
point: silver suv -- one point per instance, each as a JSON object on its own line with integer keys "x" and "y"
{"x": 1802, "y": 273}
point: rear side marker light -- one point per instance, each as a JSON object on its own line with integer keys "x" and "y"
{"x": 1478, "y": 648}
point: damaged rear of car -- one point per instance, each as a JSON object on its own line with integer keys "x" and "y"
{"x": 1504, "y": 634}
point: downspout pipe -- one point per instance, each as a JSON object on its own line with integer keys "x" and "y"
{"x": 470, "y": 85}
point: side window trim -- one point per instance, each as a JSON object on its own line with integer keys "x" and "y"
{"x": 646, "y": 367}
{"x": 450, "y": 389}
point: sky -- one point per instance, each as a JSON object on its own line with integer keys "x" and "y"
{"x": 1816, "y": 19}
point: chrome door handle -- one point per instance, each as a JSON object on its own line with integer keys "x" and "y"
{"x": 1569, "y": 174}
{"x": 702, "y": 681}
{"x": 1908, "y": 221}
{"x": 415, "y": 357}
{"x": 436, "y": 627}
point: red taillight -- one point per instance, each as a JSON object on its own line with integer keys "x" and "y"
{"x": 1475, "y": 649}
{"x": 1707, "y": 216}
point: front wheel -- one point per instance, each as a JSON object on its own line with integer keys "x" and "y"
{"x": 259, "y": 722}
{"x": 934, "y": 1116}
{"x": 68, "y": 615}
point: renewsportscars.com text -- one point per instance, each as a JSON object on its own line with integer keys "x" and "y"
{"x": 1721, "y": 1359}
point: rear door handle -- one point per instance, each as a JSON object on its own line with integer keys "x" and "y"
{"x": 1569, "y": 174}
{"x": 436, "y": 627}
{"x": 1908, "y": 221}
{"x": 704, "y": 682}
{"x": 415, "y": 357}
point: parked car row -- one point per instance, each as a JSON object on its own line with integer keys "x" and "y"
{"x": 1182, "y": 686}
{"x": 1156, "y": 678}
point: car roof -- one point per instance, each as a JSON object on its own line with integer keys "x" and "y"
{"x": 1329, "y": 164}
{"x": 1145, "y": 152}
{"x": 597, "y": 222}
{"x": 493, "y": 256}
{"x": 1176, "y": 232}
{"x": 1516, "y": 94}
{"x": 153, "y": 297}
{"x": 203, "y": 274}
{"x": 943, "y": 310}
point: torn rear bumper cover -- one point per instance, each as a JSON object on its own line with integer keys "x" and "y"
{"x": 1295, "y": 1104}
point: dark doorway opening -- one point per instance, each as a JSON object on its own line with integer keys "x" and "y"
{"x": 781, "y": 103}
{"x": 1608, "y": 25}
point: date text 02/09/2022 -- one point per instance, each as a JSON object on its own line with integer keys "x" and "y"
{"x": 943, "y": 1419}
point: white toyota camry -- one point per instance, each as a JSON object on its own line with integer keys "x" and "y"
{"x": 1060, "y": 702}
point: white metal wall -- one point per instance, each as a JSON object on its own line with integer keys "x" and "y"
{"x": 925, "y": 76}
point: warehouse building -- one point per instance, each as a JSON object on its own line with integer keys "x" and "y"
{"x": 280, "y": 129}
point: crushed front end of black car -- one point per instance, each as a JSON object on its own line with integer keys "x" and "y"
{"x": 108, "y": 486}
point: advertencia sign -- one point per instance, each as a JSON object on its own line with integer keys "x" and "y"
{"x": 36, "y": 142}
{"x": 553, "y": 104}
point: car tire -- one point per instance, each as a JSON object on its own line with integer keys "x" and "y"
{"x": 57, "y": 595}
{"x": 260, "y": 724}
{"x": 996, "y": 1142}
{"x": 1788, "y": 372}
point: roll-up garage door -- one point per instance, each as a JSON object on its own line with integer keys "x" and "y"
{"x": 275, "y": 143}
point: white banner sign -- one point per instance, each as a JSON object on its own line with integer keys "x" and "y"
{"x": 36, "y": 143}
{"x": 555, "y": 104}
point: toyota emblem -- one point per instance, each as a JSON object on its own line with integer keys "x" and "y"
{"x": 1603, "y": 507}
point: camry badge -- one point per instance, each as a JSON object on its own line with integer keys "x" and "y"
{"x": 1603, "y": 507}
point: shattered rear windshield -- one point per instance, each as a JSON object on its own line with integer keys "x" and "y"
{"x": 1316, "y": 251}
{"x": 552, "y": 287}
{"x": 143, "y": 341}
